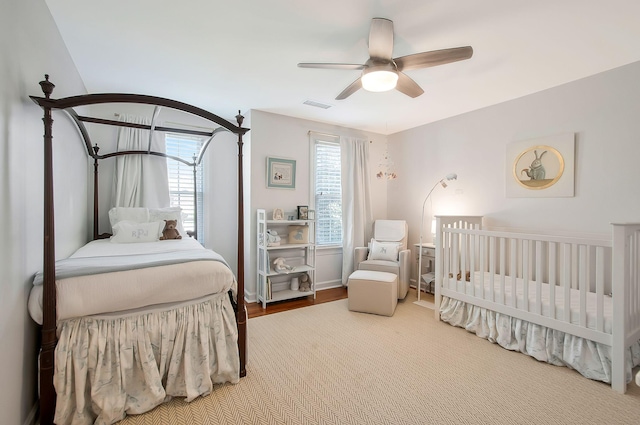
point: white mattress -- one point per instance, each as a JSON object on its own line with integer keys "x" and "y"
{"x": 134, "y": 289}
{"x": 591, "y": 299}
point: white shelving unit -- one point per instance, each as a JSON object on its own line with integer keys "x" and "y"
{"x": 276, "y": 286}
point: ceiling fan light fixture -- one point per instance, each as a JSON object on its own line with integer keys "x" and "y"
{"x": 379, "y": 80}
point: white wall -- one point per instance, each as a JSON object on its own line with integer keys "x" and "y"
{"x": 603, "y": 111}
{"x": 30, "y": 46}
{"x": 287, "y": 137}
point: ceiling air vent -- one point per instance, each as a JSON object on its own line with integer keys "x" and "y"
{"x": 316, "y": 104}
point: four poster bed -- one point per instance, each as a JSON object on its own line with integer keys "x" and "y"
{"x": 567, "y": 301}
{"x": 126, "y": 326}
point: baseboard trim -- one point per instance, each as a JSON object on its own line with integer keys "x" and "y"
{"x": 32, "y": 418}
{"x": 328, "y": 284}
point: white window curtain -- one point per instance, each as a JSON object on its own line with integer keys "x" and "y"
{"x": 357, "y": 215}
{"x": 140, "y": 180}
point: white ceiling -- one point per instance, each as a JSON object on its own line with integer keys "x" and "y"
{"x": 226, "y": 56}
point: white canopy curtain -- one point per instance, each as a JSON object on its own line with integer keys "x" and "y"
{"x": 357, "y": 214}
{"x": 140, "y": 180}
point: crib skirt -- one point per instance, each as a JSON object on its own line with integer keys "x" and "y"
{"x": 591, "y": 359}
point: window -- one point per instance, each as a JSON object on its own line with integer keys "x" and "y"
{"x": 327, "y": 188}
{"x": 181, "y": 180}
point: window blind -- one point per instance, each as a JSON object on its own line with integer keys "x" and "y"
{"x": 181, "y": 181}
{"x": 328, "y": 193}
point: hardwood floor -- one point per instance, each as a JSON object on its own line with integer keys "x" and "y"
{"x": 326, "y": 295}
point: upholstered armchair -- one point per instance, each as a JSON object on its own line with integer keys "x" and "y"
{"x": 387, "y": 252}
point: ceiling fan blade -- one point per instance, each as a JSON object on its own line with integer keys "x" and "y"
{"x": 407, "y": 86}
{"x": 331, "y": 65}
{"x": 351, "y": 89}
{"x": 381, "y": 39}
{"x": 433, "y": 58}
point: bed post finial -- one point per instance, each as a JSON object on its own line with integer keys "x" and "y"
{"x": 47, "y": 86}
{"x": 239, "y": 118}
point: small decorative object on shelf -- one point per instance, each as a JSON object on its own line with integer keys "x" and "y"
{"x": 298, "y": 234}
{"x": 272, "y": 238}
{"x": 278, "y": 214}
{"x": 292, "y": 243}
{"x": 280, "y": 265}
{"x": 305, "y": 283}
{"x": 311, "y": 214}
{"x": 295, "y": 284}
{"x": 303, "y": 212}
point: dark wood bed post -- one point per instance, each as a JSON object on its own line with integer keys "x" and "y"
{"x": 95, "y": 192}
{"x": 241, "y": 314}
{"x": 49, "y": 338}
{"x": 195, "y": 197}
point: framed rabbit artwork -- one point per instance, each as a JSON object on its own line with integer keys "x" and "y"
{"x": 541, "y": 168}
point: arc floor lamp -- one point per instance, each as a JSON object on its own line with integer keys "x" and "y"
{"x": 441, "y": 182}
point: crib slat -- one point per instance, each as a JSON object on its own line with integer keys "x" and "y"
{"x": 552, "y": 279}
{"x": 472, "y": 261}
{"x": 482, "y": 244}
{"x": 525, "y": 274}
{"x": 583, "y": 281}
{"x": 463, "y": 262}
{"x": 635, "y": 279}
{"x": 446, "y": 246}
{"x": 574, "y": 266}
{"x": 492, "y": 267}
{"x": 538, "y": 277}
{"x": 455, "y": 258}
{"x": 599, "y": 288}
{"x": 502, "y": 271}
{"x": 631, "y": 291}
{"x": 513, "y": 270}
{"x": 566, "y": 281}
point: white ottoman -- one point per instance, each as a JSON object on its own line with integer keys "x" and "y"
{"x": 373, "y": 292}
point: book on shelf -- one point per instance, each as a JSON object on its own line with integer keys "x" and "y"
{"x": 269, "y": 293}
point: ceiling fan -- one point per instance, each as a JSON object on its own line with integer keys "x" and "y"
{"x": 382, "y": 72}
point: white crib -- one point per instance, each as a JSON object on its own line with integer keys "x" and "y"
{"x": 562, "y": 290}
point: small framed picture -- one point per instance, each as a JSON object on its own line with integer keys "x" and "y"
{"x": 303, "y": 212}
{"x": 278, "y": 214}
{"x": 311, "y": 214}
{"x": 281, "y": 173}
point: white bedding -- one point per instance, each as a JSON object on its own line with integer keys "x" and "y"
{"x": 133, "y": 289}
{"x": 129, "y": 340}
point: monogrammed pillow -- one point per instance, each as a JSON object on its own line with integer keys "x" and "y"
{"x": 383, "y": 250}
{"x": 132, "y": 232}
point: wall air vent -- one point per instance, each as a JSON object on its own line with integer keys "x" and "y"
{"x": 316, "y": 104}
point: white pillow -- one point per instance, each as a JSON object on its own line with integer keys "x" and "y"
{"x": 137, "y": 215}
{"x": 171, "y": 213}
{"x": 383, "y": 250}
{"x": 131, "y": 232}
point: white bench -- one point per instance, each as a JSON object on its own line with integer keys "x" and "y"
{"x": 373, "y": 292}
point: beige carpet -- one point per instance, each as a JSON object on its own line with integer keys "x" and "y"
{"x": 326, "y": 365}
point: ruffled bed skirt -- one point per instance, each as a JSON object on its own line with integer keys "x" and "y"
{"x": 106, "y": 368}
{"x": 591, "y": 359}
